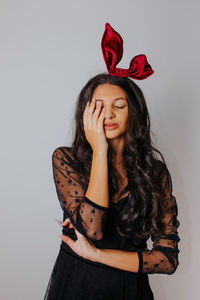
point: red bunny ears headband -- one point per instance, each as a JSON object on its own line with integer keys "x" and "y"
{"x": 112, "y": 48}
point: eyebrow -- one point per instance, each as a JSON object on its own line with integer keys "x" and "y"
{"x": 114, "y": 99}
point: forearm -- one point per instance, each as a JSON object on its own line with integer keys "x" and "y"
{"x": 124, "y": 260}
{"x": 98, "y": 190}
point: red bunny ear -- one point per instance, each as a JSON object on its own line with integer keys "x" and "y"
{"x": 112, "y": 48}
{"x": 139, "y": 67}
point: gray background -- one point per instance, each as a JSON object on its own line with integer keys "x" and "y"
{"x": 49, "y": 49}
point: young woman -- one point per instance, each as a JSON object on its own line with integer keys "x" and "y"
{"x": 115, "y": 193}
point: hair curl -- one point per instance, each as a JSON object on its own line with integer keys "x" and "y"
{"x": 142, "y": 213}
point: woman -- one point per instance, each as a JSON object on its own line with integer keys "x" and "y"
{"x": 115, "y": 193}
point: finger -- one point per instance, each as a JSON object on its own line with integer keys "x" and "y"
{"x": 101, "y": 118}
{"x": 79, "y": 235}
{"x": 97, "y": 113}
{"x": 89, "y": 112}
{"x": 67, "y": 240}
{"x": 102, "y": 114}
{"x": 71, "y": 225}
{"x": 98, "y": 109}
{"x": 92, "y": 106}
{"x": 66, "y": 222}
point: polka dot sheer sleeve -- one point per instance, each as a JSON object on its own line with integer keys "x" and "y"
{"x": 163, "y": 257}
{"x": 87, "y": 216}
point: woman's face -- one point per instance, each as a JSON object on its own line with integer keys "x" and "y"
{"x": 114, "y": 100}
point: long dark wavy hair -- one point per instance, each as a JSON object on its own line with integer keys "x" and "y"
{"x": 141, "y": 214}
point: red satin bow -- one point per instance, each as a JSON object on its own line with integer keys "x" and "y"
{"x": 112, "y": 48}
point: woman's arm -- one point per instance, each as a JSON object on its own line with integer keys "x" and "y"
{"x": 87, "y": 211}
{"x": 97, "y": 189}
{"x": 163, "y": 257}
{"x": 124, "y": 260}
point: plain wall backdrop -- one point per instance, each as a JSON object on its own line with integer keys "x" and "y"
{"x": 49, "y": 50}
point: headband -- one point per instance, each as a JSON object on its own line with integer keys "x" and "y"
{"x": 112, "y": 48}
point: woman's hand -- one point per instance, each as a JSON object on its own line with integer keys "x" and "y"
{"x": 93, "y": 118}
{"x": 81, "y": 246}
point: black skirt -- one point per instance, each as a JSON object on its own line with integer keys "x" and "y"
{"x": 74, "y": 278}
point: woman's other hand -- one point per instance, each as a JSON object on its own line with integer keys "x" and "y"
{"x": 81, "y": 246}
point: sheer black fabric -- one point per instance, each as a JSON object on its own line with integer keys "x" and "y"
{"x": 74, "y": 277}
{"x": 87, "y": 216}
{"x": 163, "y": 257}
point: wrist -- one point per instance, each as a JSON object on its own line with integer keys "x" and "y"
{"x": 94, "y": 254}
{"x": 102, "y": 151}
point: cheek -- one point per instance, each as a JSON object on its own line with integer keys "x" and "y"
{"x": 123, "y": 123}
{"x": 125, "y": 119}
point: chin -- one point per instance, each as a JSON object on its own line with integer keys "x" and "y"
{"x": 112, "y": 135}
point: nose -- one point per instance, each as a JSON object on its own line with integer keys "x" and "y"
{"x": 108, "y": 113}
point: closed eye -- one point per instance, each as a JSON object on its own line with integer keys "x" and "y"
{"x": 120, "y": 106}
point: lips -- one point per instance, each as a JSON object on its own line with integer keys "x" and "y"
{"x": 110, "y": 124}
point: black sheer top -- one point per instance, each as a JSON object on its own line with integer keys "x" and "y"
{"x": 90, "y": 219}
